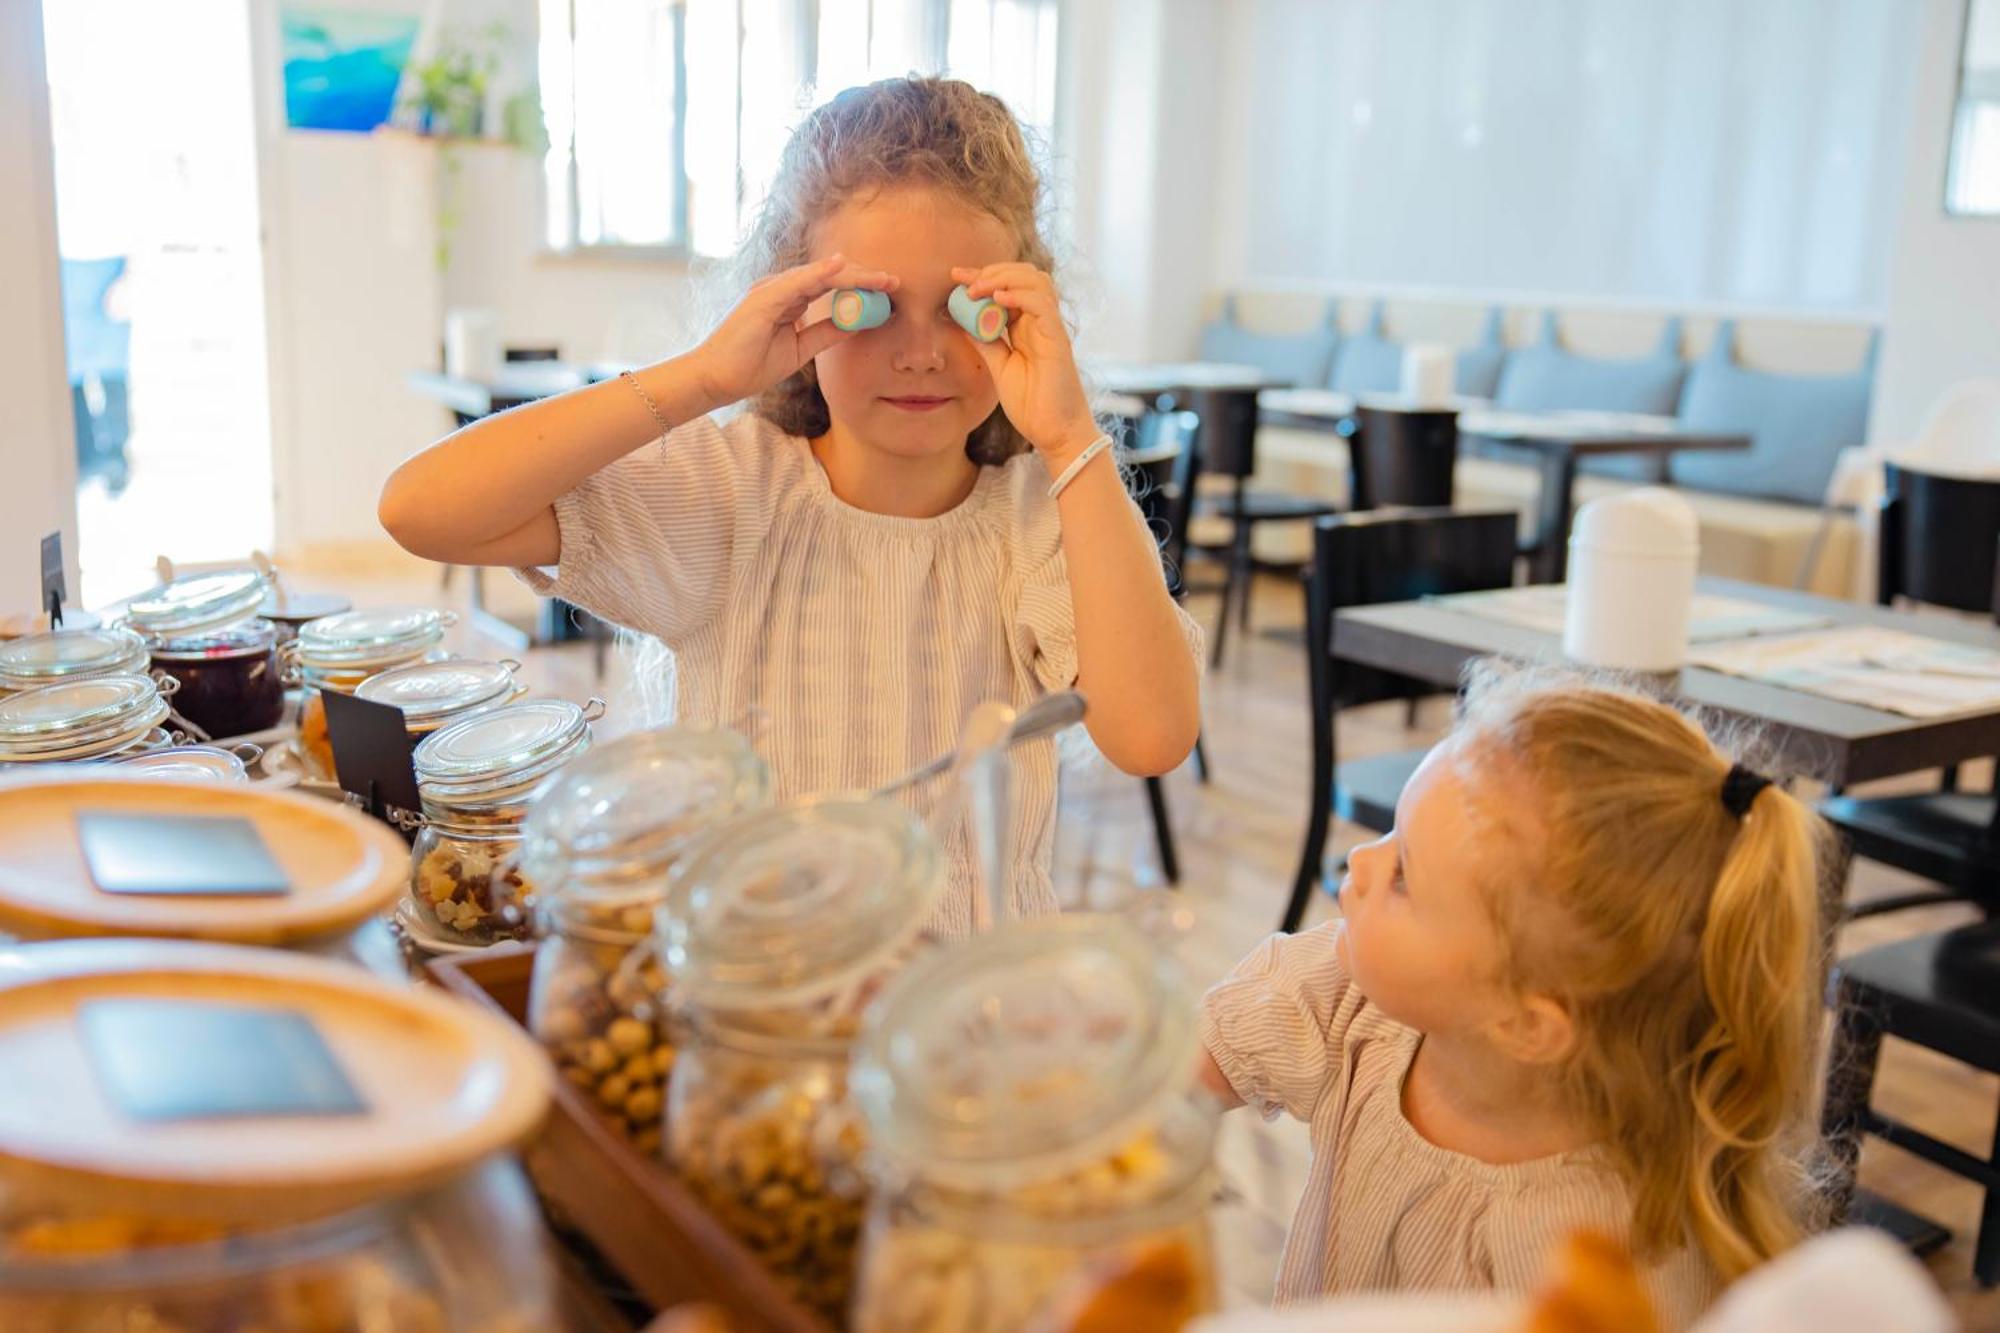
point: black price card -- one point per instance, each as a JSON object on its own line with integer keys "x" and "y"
{"x": 178, "y": 854}
{"x": 55, "y": 591}
{"x": 371, "y": 750}
{"x": 192, "y": 1060}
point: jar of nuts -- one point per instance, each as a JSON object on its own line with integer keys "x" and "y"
{"x": 598, "y": 845}
{"x": 1031, "y": 1102}
{"x": 777, "y": 932}
{"x": 475, "y": 778}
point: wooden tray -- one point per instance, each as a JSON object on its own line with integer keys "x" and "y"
{"x": 644, "y": 1221}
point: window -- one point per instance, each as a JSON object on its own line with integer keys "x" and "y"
{"x": 666, "y": 117}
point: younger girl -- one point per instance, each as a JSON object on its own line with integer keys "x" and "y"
{"x": 879, "y": 543}
{"x": 1578, "y": 986}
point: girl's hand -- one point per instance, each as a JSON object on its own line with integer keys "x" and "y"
{"x": 1033, "y": 366}
{"x": 764, "y": 339}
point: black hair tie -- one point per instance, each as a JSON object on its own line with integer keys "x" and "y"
{"x": 1740, "y": 788}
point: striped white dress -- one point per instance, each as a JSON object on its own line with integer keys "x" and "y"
{"x": 864, "y": 639}
{"x": 1384, "y": 1209}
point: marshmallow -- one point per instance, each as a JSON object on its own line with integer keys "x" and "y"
{"x": 857, "y": 308}
{"x": 982, "y": 319}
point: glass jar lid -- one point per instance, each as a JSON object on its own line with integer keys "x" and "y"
{"x": 497, "y": 751}
{"x": 297, "y": 608}
{"x": 76, "y": 709}
{"x": 374, "y": 636}
{"x": 787, "y": 906}
{"x": 198, "y": 763}
{"x": 245, "y": 638}
{"x": 624, "y": 814}
{"x": 196, "y": 602}
{"x": 429, "y": 693}
{"x": 70, "y": 654}
{"x": 1035, "y": 1047}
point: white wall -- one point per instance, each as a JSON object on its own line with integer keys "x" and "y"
{"x": 37, "y": 444}
{"x": 1704, "y": 151}
{"x": 1943, "y": 318}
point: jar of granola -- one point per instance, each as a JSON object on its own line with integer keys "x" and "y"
{"x": 475, "y": 778}
{"x": 1031, "y": 1101}
{"x": 777, "y": 933}
{"x": 598, "y": 845}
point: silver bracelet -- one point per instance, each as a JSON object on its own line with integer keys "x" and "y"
{"x": 1079, "y": 463}
{"x": 651, "y": 406}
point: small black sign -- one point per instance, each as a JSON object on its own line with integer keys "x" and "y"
{"x": 178, "y": 854}
{"x": 171, "y": 1060}
{"x": 371, "y": 750}
{"x": 54, "y": 590}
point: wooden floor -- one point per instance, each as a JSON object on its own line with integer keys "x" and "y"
{"x": 1239, "y": 841}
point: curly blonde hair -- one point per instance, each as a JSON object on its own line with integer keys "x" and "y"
{"x": 936, "y": 132}
{"x": 1688, "y": 945}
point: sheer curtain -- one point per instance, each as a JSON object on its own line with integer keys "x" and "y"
{"x": 1734, "y": 151}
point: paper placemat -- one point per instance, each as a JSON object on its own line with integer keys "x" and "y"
{"x": 1712, "y": 619}
{"x": 1877, "y": 668}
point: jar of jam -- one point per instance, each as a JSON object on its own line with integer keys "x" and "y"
{"x": 202, "y": 630}
{"x": 340, "y": 652}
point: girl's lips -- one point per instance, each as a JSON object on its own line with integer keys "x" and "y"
{"x": 917, "y": 403}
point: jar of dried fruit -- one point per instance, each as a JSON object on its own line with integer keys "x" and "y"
{"x": 1031, "y": 1100}
{"x": 598, "y": 844}
{"x": 777, "y": 932}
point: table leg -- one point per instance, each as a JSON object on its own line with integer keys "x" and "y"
{"x": 1551, "y": 560}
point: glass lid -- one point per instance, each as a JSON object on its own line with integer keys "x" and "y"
{"x": 75, "y": 708}
{"x": 374, "y": 634}
{"x": 624, "y": 814}
{"x": 243, "y": 638}
{"x": 296, "y": 608}
{"x": 786, "y": 905}
{"x": 429, "y": 691}
{"x": 197, "y": 602}
{"x": 197, "y": 763}
{"x": 42, "y": 659}
{"x": 502, "y": 748}
{"x": 1045, "y": 1041}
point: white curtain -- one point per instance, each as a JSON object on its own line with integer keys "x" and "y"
{"x": 1738, "y": 151}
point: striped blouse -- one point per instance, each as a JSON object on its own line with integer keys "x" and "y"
{"x": 857, "y": 642}
{"x": 1385, "y": 1209}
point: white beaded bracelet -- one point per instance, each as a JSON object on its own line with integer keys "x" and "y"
{"x": 1079, "y": 463}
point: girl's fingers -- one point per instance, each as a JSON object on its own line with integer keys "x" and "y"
{"x": 982, "y": 282}
{"x": 817, "y": 337}
{"x": 801, "y": 285}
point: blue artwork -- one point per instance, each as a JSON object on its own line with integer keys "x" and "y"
{"x": 342, "y": 67}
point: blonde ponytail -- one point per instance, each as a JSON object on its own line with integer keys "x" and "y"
{"x": 1683, "y": 939}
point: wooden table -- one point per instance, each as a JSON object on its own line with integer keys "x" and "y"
{"x": 1557, "y": 439}
{"x": 1812, "y": 736}
{"x": 1153, "y": 379}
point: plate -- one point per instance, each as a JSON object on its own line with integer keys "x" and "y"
{"x": 444, "y": 1085}
{"x": 343, "y": 866}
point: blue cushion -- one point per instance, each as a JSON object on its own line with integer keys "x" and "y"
{"x": 1368, "y": 361}
{"x": 1296, "y": 358}
{"x": 1478, "y": 371}
{"x": 1797, "y": 424}
{"x": 1547, "y": 378}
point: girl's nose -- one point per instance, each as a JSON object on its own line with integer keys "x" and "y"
{"x": 919, "y": 348}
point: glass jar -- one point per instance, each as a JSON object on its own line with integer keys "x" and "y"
{"x": 339, "y": 652}
{"x": 195, "y": 763}
{"x": 230, "y": 680}
{"x": 1031, "y": 1102}
{"x": 97, "y": 718}
{"x": 467, "y": 1255}
{"x": 433, "y": 695}
{"x": 778, "y": 930}
{"x": 598, "y": 845}
{"x": 70, "y": 654}
{"x": 474, "y": 778}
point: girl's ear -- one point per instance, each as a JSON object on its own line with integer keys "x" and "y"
{"x": 1536, "y": 1030}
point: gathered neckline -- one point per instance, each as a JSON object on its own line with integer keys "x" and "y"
{"x": 965, "y": 511}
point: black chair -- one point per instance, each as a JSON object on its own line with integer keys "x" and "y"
{"x": 530, "y": 354}
{"x": 1941, "y": 991}
{"x": 1939, "y": 544}
{"x": 1229, "y": 449}
{"x": 1386, "y": 555}
{"x": 1161, "y": 465}
{"x": 1402, "y": 458}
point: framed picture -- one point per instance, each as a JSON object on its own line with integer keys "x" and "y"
{"x": 342, "y": 67}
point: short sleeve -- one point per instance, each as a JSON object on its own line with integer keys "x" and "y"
{"x": 652, "y": 540}
{"x": 1278, "y": 1024}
